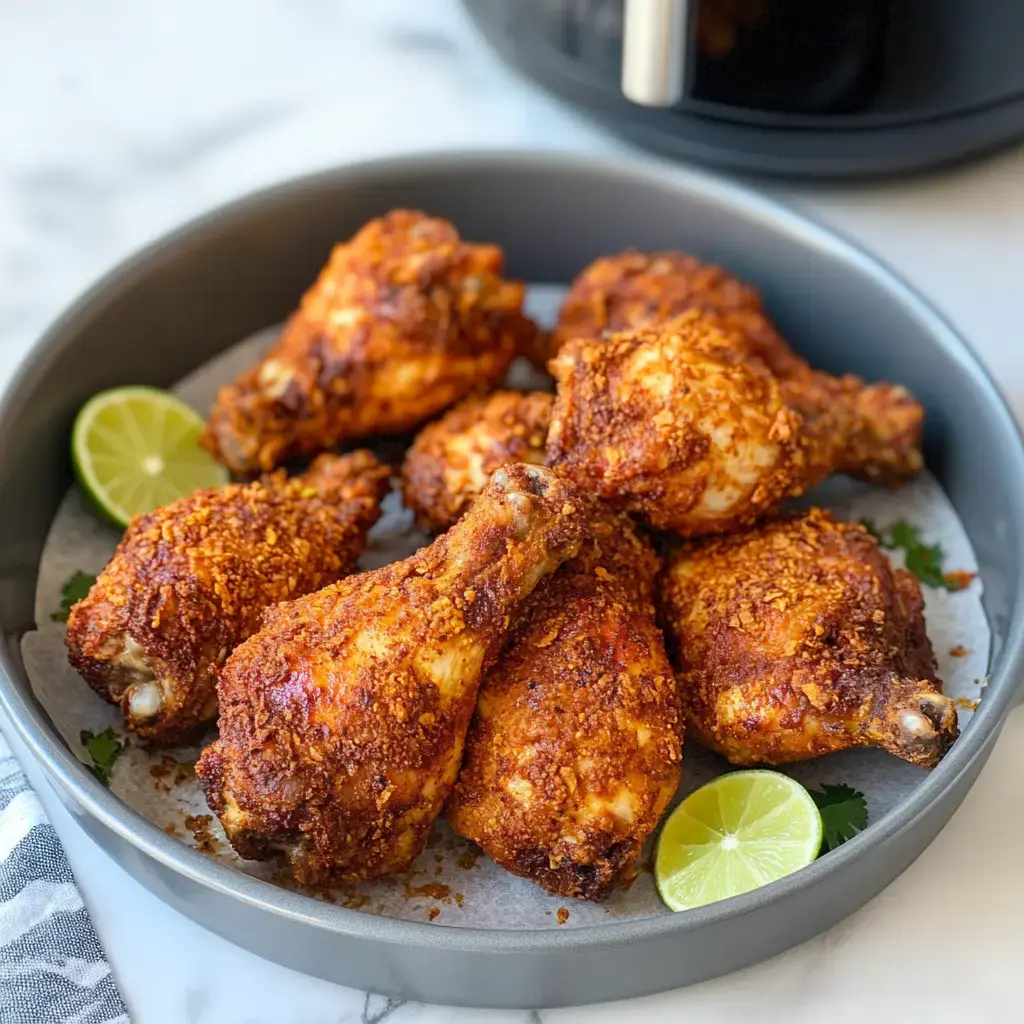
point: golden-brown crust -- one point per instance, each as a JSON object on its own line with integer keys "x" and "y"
{"x": 798, "y": 638}
{"x": 678, "y": 426}
{"x": 637, "y": 289}
{"x": 343, "y": 720}
{"x": 404, "y": 320}
{"x": 189, "y": 581}
{"x": 574, "y": 751}
{"x": 357, "y": 479}
{"x": 451, "y": 460}
{"x": 884, "y": 444}
{"x": 881, "y": 424}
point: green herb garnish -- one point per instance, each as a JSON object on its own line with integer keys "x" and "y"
{"x": 76, "y": 586}
{"x": 923, "y": 560}
{"x": 844, "y": 813}
{"x": 104, "y": 748}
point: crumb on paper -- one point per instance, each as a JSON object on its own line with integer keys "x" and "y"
{"x": 162, "y": 773}
{"x": 563, "y": 915}
{"x": 467, "y": 858}
{"x": 959, "y": 651}
{"x": 199, "y": 826}
{"x": 460, "y": 900}
{"x": 959, "y": 579}
{"x": 171, "y": 829}
{"x": 430, "y": 890}
{"x": 164, "y": 768}
{"x": 433, "y": 913}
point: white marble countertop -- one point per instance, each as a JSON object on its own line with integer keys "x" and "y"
{"x": 118, "y": 121}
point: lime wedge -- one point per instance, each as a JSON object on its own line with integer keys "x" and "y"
{"x": 737, "y": 833}
{"x": 135, "y": 449}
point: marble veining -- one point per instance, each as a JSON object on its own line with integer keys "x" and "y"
{"x": 120, "y": 120}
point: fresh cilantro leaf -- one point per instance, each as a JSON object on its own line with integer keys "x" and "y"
{"x": 844, "y": 813}
{"x": 76, "y": 586}
{"x": 923, "y": 560}
{"x": 104, "y": 748}
{"x": 903, "y": 535}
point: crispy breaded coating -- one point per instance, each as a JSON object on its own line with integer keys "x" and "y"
{"x": 451, "y": 460}
{"x": 574, "y": 751}
{"x": 343, "y": 720}
{"x": 637, "y": 289}
{"x": 678, "y": 427}
{"x": 886, "y": 428}
{"x": 798, "y": 638}
{"x": 882, "y": 423}
{"x": 404, "y": 320}
{"x": 189, "y": 582}
{"x": 356, "y": 480}
{"x": 682, "y": 427}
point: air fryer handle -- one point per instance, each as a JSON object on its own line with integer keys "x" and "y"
{"x": 654, "y": 43}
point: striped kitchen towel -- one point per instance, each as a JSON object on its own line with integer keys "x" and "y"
{"x": 52, "y": 967}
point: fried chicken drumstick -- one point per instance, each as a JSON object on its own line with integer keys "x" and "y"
{"x": 636, "y": 289}
{"x": 342, "y": 722}
{"x": 797, "y": 639}
{"x": 189, "y": 582}
{"x": 574, "y": 751}
{"x": 681, "y": 426}
{"x": 404, "y": 320}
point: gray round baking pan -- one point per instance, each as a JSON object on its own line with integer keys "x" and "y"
{"x": 242, "y": 268}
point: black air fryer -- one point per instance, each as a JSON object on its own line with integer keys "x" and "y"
{"x": 826, "y": 88}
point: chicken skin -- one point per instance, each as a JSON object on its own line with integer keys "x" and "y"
{"x": 189, "y": 581}
{"x": 342, "y": 722}
{"x": 882, "y": 422}
{"x": 404, "y": 320}
{"x": 637, "y": 289}
{"x": 574, "y": 751}
{"x": 797, "y": 639}
{"x": 451, "y": 460}
{"x": 682, "y": 427}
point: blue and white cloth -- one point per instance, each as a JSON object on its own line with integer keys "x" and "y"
{"x": 52, "y": 967}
